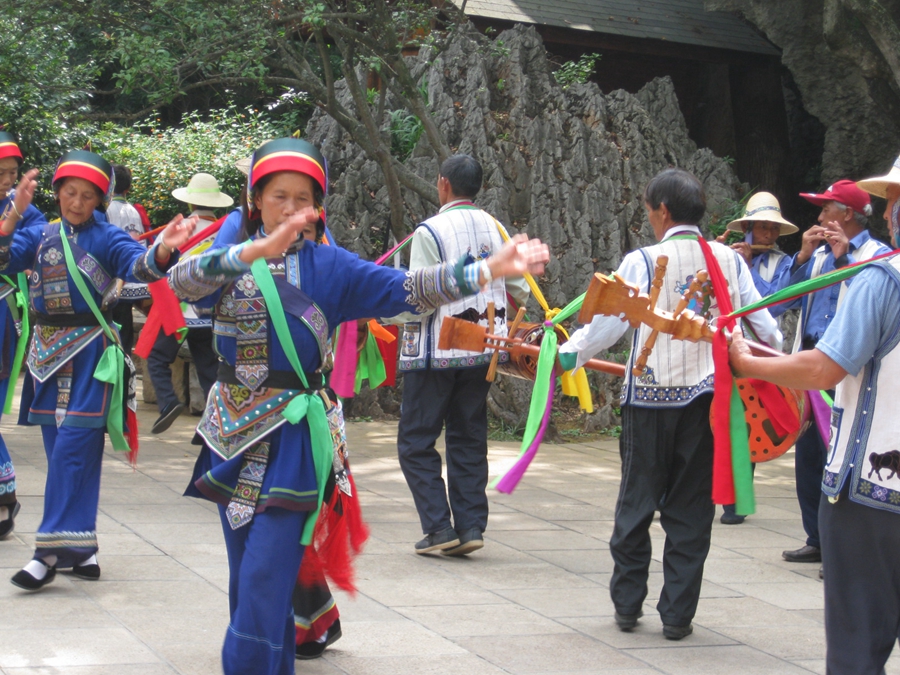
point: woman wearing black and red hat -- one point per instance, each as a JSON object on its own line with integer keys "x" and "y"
{"x": 77, "y": 387}
{"x": 268, "y": 446}
{"x": 11, "y": 327}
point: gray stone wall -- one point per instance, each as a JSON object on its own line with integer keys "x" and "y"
{"x": 568, "y": 166}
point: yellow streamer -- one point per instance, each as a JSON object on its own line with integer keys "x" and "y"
{"x": 573, "y": 384}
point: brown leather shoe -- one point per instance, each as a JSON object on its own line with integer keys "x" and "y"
{"x": 806, "y": 554}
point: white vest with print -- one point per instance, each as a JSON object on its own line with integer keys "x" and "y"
{"x": 769, "y": 264}
{"x": 459, "y": 231}
{"x": 678, "y": 371}
{"x": 865, "y": 427}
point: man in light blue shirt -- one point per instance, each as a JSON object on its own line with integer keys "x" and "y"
{"x": 840, "y": 239}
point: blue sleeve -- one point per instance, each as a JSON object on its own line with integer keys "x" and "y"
{"x": 781, "y": 279}
{"x": 32, "y": 217}
{"x": 869, "y": 316}
{"x": 226, "y": 237}
{"x": 17, "y": 251}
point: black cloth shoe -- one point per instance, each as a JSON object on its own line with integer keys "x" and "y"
{"x": 8, "y": 525}
{"x": 313, "y": 650}
{"x": 23, "y": 579}
{"x": 469, "y": 540}
{"x": 731, "y": 519}
{"x": 677, "y": 632}
{"x": 805, "y": 554}
{"x": 90, "y": 572}
{"x": 438, "y": 541}
{"x": 626, "y": 622}
{"x": 168, "y": 415}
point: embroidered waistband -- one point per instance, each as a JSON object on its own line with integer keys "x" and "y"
{"x": 276, "y": 379}
{"x": 70, "y": 320}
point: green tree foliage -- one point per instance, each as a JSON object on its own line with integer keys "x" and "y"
{"x": 576, "y": 72}
{"x": 162, "y": 159}
{"x": 150, "y": 55}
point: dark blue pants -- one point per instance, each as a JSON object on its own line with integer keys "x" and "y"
{"x": 163, "y": 354}
{"x": 809, "y": 463}
{"x": 263, "y": 560}
{"x": 860, "y": 550}
{"x": 666, "y": 452}
{"x": 431, "y": 398}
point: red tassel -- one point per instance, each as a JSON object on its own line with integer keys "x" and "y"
{"x": 165, "y": 314}
{"x": 339, "y": 536}
{"x": 131, "y": 435}
{"x": 389, "y": 356}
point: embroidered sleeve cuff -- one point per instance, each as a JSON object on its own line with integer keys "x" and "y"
{"x": 225, "y": 262}
{"x": 147, "y": 270}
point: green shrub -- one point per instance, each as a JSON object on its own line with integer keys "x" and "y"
{"x": 162, "y": 159}
{"x": 576, "y": 72}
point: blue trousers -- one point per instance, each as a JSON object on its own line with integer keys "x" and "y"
{"x": 7, "y": 472}
{"x": 68, "y": 529}
{"x": 263, "y": 560}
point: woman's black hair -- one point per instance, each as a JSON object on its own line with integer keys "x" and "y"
{"x": 681, "y": 192}
{"x": 250, "y": 226}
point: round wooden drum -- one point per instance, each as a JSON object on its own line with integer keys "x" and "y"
{"x": 765, "y": 442}
{"x": 523, "y": 365}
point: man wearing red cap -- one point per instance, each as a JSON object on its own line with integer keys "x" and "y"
{"x": 840, "y": 239}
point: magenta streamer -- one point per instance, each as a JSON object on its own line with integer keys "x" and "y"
{"x": 343, "y": 377}
{"x": 509, "y": 482}
{"x": 822, "y": 414}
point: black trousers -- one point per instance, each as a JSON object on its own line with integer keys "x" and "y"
{"x": 809, "y": 464}
{"x": 666, "y": 453}
{"x": 163, "y": 354}
{"x": 860, "y": 554}
{"x": 431, "y": 399}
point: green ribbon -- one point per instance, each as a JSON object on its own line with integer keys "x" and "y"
{"x": 543, "y": 382}
{"x": 370, "y": 366}
{"x": 304, "y": 404}
{"x": 741, "y": 469}
{"x": 111, "y": 368}
{"x": 21, "y": 296}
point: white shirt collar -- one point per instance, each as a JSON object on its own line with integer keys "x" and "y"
{"x": 680, "y": 229}
{"x": 457, "y": 202}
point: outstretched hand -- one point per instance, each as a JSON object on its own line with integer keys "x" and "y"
{"x": 277, "y": 242}
{"x": 24, "y": 194}
{"x": 518, "y": 256}
{"x": 177, "y": 232}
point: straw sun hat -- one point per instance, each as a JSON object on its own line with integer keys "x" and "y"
{"x": 878, "y": 186}
{"x": 763, "y": 206}
{"x": 203, "y": 190}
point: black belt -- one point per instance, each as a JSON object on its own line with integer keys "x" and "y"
{"x": 277, "y": 379}
{"x": 70, "y": 320}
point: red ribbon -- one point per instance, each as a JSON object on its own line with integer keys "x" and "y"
{"x": 165, "y": 314}
{"x": 723, "y": 479}
{"x": 783, "y": 419}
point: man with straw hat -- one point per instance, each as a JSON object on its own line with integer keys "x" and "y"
{"x": 770, "y": 268}
{"x": 202, "y": 194}
{"x": 859, "y": 510}
{"x": 840, "y": 239}
{"x": 761, "y": 224}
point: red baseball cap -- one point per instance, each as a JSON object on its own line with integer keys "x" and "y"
{"x": 843, "y": 192}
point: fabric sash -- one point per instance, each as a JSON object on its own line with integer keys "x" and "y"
{"x": 111, "y": 367}
{"x": 20, "y": 316}
{"x": 308, "y": 404}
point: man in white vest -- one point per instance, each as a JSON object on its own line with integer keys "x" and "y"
{"x": 449, "y": 386}
{"x": 840, "y": 239}
{"x": 666, "y": 443}
{"x": 859, "y": 512}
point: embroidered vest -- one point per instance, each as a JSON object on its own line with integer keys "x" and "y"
{"x": 865, "y": 428}
{"x": 677, "y": 370}
{"x": 868, "y": 250}
{"x": 53, "y": 346}
{"x": 459, "y": 231}
{"x": 240, "y": 414}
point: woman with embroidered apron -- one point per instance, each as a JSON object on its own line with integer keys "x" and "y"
{"x": 268, "y": 448}
{"x": 76, "y": 361}
{"x": 13, "y": 318}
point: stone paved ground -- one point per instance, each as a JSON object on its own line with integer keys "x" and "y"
{"x": 533, "y": 601}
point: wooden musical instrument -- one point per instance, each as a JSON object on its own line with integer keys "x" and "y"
{"x": 523, "y": 347}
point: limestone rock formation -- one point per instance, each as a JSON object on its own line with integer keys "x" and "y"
{"x": 845, "y": 60}
{"x": 566, "y": 165}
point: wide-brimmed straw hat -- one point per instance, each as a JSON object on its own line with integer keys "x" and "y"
{"x": 878, "y": 186}
{"x": 763, "y": 206}
{"x": 203, "y": 190}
